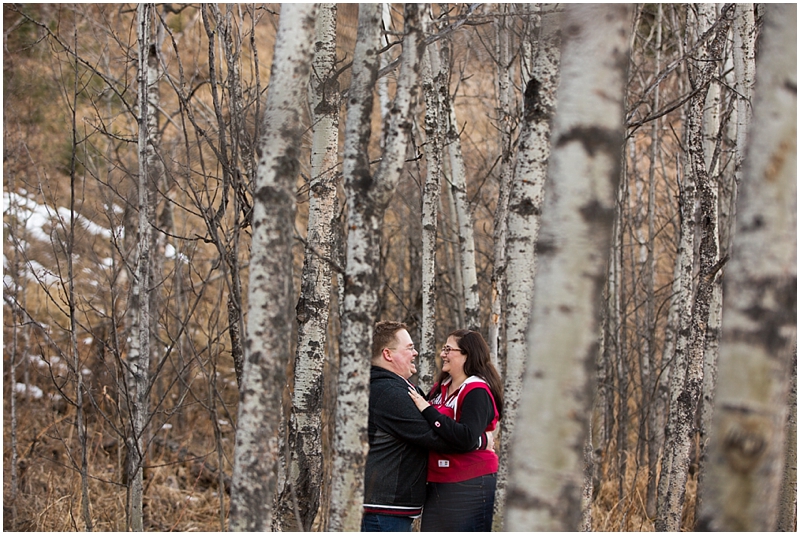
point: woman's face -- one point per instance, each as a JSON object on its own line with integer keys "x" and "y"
{"x": 453, "y": 359}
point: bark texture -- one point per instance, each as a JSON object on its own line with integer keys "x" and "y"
{"x": 139, "y": 351}
{"x": 434, "y": 81}
{"x": 299, "y": 498}
{"x": 654, "y": 433}
{"x": 367, "y": 198}
{"x": 760, "y": 315}
{"x": 526, "y": 201}
{"x": 267, "y": 342}
{"x": 500, "y": 227}
{"x": 547, "y": 459}
{"x": 465, "y": 236}
{"x": 711, "y": 134}
{"x": 682, "y": 413}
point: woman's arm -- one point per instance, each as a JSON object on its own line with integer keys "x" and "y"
{"x": 392, "y": 412}
{"x": 476, "y": 413}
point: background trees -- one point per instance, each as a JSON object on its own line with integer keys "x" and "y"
{"x": 74, "y": 117}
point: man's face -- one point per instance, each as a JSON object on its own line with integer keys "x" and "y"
{"x": 402, "y": 354}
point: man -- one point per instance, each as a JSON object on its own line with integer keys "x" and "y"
{"x": 399, "y": 436}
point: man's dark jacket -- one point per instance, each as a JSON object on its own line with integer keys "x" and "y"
{"x": 399, "y": 440}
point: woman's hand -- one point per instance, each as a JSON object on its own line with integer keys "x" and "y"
{"x": 418, "y": 400}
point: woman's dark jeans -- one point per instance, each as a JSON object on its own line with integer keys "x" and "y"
{"x": 464, "y": 506}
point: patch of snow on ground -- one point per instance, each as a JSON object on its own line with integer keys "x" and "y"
{"x": 32, "y": 391}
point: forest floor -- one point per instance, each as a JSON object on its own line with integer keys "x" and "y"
{"x": 182, "y": 484}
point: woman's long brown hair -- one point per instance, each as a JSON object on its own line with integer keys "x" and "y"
{"x": 478, "y": 362}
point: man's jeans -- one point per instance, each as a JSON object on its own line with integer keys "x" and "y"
{"x": 375, "y": 522}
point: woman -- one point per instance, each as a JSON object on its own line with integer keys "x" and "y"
{"x": 466, "y": 401}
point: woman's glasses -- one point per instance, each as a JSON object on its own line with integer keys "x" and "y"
{"x": 447, "y": 349}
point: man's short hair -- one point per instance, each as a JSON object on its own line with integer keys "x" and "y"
{"x": 384, "y": 336}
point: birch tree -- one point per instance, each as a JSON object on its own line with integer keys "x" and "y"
{"x": 524, "y": 214}
{"x": 433, "y": 82}
{"x": 744, "y": 64}
{"x": 499, "y": 232}
{"x": 301, "y": 489}
{"x": 546, "y": 464}
{"x": 270, "y": 286}
{"x": 674, "y": 353}
{"x": 711, "y": 140}
{"x": 760, "y": 312}
{"x": 682, "y": 412}
{"x": 350, "y": 437}
{"x": 463, "y": 216}
{"x": 654, "y": 425}
{"x": 367, "y": 199}
{"x": 139, "y": 351}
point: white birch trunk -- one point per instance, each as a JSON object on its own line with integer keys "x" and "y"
{"x": 526, "y": 201}
{"x": 500, "y": 227}
{"x": 546, "y": 469}
{"x": 232, "y": 153}
{"x": 682, "y": 413}
{"x": 682, "y": 291}
{"x": 159, "y": 219}
{"x": 301, "y": 489}
{"x": 384, "y": 101}
{"x": 269, "y": 327}
{"x": 760, "y": 317}
{"x": 367, "y": 199}
{"x": 604, "y": 399}
{"x": 453, "y": 252}
{"x": 431, "y": 85}
{"x": 744, "y": 63}
{"x": 139, "y": 351}
{"x": 711, "y": 127}
{"x": 465, "y": 235}
{"x": 675, "y": 346}
{"x": 655, "y": 426}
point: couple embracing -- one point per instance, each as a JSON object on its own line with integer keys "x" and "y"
{"x": 431, "y": 455}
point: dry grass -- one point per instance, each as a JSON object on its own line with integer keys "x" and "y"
{"x": 182, "y": 490}
{"x": 181, "y": 485}
{"x": 610, "y": 513}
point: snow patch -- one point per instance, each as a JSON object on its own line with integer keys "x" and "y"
{"x": 40, "y": 274}
{"x": 32, "y": 391}
{"x": 170, "y": 252}
{"x": 37, "y": 216}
